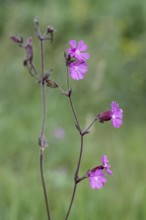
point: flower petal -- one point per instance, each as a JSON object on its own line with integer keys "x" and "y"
{"x": 72, "y": 43}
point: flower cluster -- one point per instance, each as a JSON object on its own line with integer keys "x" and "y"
{"x": 76, "y": 59}
{"x": 97, "y": 176}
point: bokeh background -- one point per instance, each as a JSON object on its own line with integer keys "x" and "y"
{"x": 115, "y": 32}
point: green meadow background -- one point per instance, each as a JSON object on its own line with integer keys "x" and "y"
{"x": 115, "y": 32}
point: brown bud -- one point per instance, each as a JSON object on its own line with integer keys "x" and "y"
{"x": 51, "y": 83}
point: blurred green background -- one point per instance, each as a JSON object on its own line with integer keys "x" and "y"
{"x": 115, "y": 32}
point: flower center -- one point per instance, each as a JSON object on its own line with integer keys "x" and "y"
{"x": 77, "y": 52}
{"x": 76, "y": 68}
{"x": 113, "y": 116}
{"x": 95, "y": 178}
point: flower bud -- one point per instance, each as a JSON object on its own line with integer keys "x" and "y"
{"x": 51, "y": 83}
{"x": 36, "y": 28}
{"x": 50, "y": 29}
{"x": 29, "y": 51}
{"x": 17, "y": 40}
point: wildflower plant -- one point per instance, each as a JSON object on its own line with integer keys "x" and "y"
{"x": 76, "y": 58}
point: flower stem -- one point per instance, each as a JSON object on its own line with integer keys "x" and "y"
{"x": 75, "y": 178}
{"x": 87, "y": 129}
{"x": 42, "y": 140}
{"x": 74, "y": 113}
{"x": 80, "y": 157}
{"x": 71, "y": 103}
{"x": 43, "y": 184}
{"x": 71, "y": 202}
{"x": 67, "y": 79}
{"x": 43, "y": 94}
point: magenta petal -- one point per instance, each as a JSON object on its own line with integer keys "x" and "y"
{"x": 76, "y": 50}
{"x": 114, "y": 106}
{"x": 116, "y": 122}
{"x": 72, "y": 43}
{"x": 68, "y": 50}
{"x": 80, "y": 44}
{"x": 83, "y": 56}
{"x": 109, "y": 171}
{"x": 116, "y": 115}
{"x": 78, "y": 69}
{"x": 104, "y": 159}
{"x": 82, "y": 47}
{"x": 106, "y": 165}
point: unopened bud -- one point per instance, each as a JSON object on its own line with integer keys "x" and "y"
{"x": 49, "y": 33}
{"x": 29, "y": 51}
{"x": 50, "y": 29}
{"x": 51, "y": 83}
{"x": 36, "y": 22}
{"x": 18, "y": 40}
{"x": 36, "y": 28}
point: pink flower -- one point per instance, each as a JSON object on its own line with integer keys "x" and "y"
{"x": 78, "y": 70}
{"x": 76, "y": 50}
{"x": 106, "y": 165}
{"x": 97, "y": 178}
{"x": 115, "y": 115}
